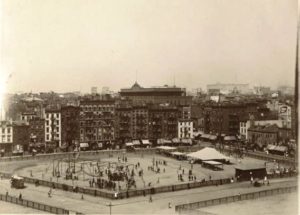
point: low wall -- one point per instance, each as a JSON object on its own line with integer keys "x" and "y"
{"x": 268, "y": 157}
{"x": 34, "y": 205}
{"x": 60, "y": 155}
{"x": 122, "y": 194}
{"x": 257, "y": 155}
{"x": 66, "y": 154}
{"x": 186, "y": 208}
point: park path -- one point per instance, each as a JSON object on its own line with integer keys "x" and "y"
{"x": 72, "y": 201}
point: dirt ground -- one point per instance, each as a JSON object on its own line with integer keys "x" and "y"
{"x": 168, "y": 173}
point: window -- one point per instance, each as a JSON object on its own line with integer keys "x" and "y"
{"x": 47, "y": 129}
{"x": 47, "y": 137}
{"x": 8, "y": 130}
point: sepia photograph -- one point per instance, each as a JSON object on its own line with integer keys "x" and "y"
{"x": 149, "y": 107}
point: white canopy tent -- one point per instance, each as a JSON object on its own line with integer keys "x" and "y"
{"x": 207, "y": 154}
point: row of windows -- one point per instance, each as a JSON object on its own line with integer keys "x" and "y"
{"x": 48, "y": 137}
{"x": 6, "y": 129}
{"x": 182, "y": 135}
{"x": 185, "y": 129}
{"x": 54, "y": 130}
{"x": 97, "y": 108}
{"x": 263, "y": 135}
{"x": 8, "y": 139}
{"x": 53, "y": 122}
{"x": 185, "y": 123}
{"x": 36, "y": 127}
{"x": 243, "y": 124}
{"x": 39, "y": 139}
{"x": 27, "y": 117}
{"x": 243, "y": 130}
{"x": 55, "y": 115}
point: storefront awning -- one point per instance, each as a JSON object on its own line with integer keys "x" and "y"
{"x": 271, "y": 147}
{"x": 83, "y": 145}
{"x": 229, "y": 138}
{"x": 206, "y": 136}
{"x": 146, "y": 142}
{"x": 129, "y": 144}
{"x": 187, "y": 141}
{"x": 281, "y": 148}
{"x": 136, "y": 142}
{"x": 176, "y": 140}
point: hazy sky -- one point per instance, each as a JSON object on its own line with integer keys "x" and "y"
{"x": 66, "y": 45}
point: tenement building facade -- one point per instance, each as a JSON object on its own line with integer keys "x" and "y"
{"x": 97, "y": 120}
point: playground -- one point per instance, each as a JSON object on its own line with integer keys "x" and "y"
{"x": 126, "y": 171}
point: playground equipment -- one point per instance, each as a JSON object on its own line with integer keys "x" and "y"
{"x": 72, "y": 167}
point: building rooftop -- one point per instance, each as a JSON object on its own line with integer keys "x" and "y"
{"x": 137, "y": 88}
{"x": 264, "y": 128}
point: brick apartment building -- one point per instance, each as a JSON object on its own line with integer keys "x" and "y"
{"x": 13, "y": 134}
{"x": 70, "y": 125}
{"x": 97, "y": 121}
{"x": 53, "y": 127}
{"x": 37, "y": 130}
{"x": 146, "y": 122}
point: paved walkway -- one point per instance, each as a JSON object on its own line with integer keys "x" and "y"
{"x": 276, "y": 205}
{"x": 10, "y": 208}
{"x": 138, "y": 205}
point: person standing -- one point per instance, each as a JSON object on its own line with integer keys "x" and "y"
{"x": 265, "y": 180}
{"x": 49, "y": 193}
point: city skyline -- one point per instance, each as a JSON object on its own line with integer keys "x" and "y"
{"x": 111, "y": 43}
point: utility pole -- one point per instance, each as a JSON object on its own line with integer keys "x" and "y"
{"x": 110, "y": 206}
